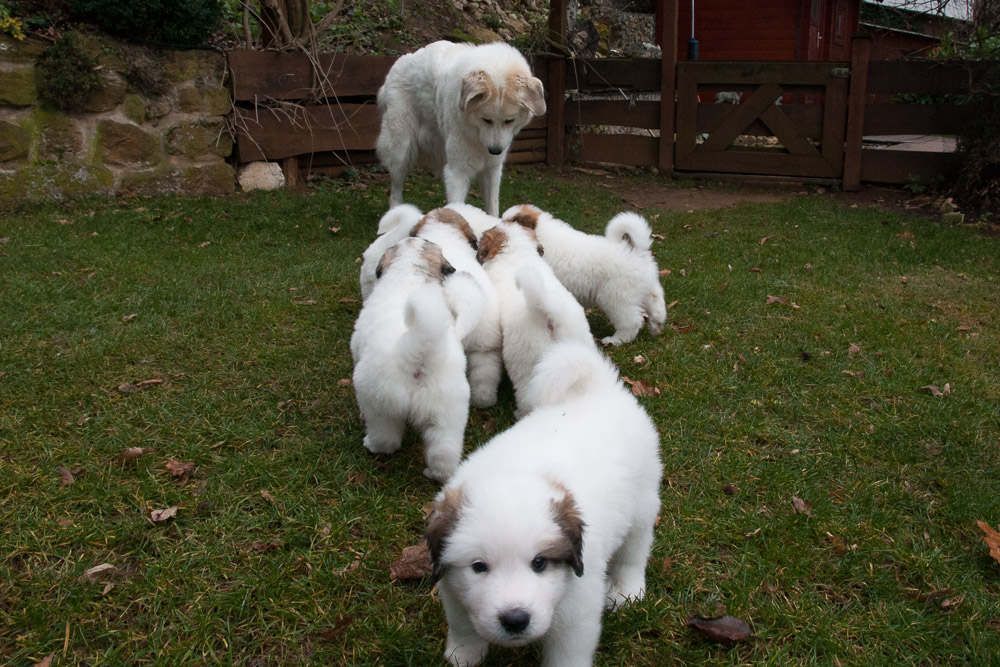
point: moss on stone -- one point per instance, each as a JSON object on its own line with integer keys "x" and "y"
{"x": 14, "y": 141}
{"x": 199, "y": 138}
{"x": 108, "y": 94}
{"x": 52, "y": 181}
{"x": 17, "y": 87}
{"x": 134, "y": 108}
{"x": 212, "y": 101}
{"x": 58, "y": 135}
{"x": 126, "y": 144}
{"x": 21, "y": 50}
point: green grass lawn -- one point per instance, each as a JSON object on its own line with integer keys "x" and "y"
{"x": 285, "y": 527}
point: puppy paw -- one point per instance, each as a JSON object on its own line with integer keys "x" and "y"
{"x": 467, "y": 654}
{"x": 613, "y": 341}
{"x": 439, "y": 475}
{"x": 483, "y": 398}
{"x": 380, "y": 446}
{"x": 618, "y": 599}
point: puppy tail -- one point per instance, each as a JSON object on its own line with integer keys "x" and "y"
{"x": 427, "y": 320}
{"x": 404, "y": 214}
{"x": 568, "y": 369}
{"x": 465, "y": 301}
{"x": 564, "y": 316}
{"x": 630, "y": 228}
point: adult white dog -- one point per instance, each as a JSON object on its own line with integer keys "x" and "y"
{"x": 549, "y": 523}
{"x": 459, "y": 243}
{"x": 616, "y": 272}
{"x": 535, "y": 309}
{"x": 409, "y": 366}
{"x": 455, "y": 109}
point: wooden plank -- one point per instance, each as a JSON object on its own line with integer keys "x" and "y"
{"x": 787, "y": 133}
{"x": 835, "y": 124}
{"x": 613, "y": 112}
{"x": 904, "y": 167}
{"x": 337, "y": 159}
{"x": 540, "y": 133}
{"x": 687, "y": 113}
{"x": 258, "y": 75}
{"x": 528, "y": 145}
{"x": 918, "y": 77}
{"x": 668, "y": 83}
{"x": 271, "y": 135}
{"x": 914, "y": 118}
{"x": 782, "y": 73}
{"x": 526, "y": 157}
{"x": 861, "y": 47}
{"x": 757, "y": 162}
{"x": 740, "y": 117}
{"x": 808, "y": 118}
{"x": 614, "y": 148}
{"x": 557, "y": 84}
{"x": 610, "y": 74}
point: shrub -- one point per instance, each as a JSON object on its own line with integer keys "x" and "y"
{"x": 66, "y": 74}
{"x": 182, "y": 22}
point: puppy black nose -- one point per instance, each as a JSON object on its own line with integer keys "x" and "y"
{"x": 495, "y": 150}
{"x": 515, "y": 620}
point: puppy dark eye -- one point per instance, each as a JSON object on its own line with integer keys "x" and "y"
{"x": 479, "y": 567}
{"x": 488, "y": 121}
{"x": 508, "y": 121}
{"x": 539, "y": 564}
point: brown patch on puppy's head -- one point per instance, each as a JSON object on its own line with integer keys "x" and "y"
{"x": 456, "y": 220}
{"x": 491, "y": 244}
{"x": 436, "y": 266}
{"x": 440, "y": 524}
{"x": 477, "y": 87}
{"x": 383, "y": 263}
{"x": 528, "y": 91}
{"x": 569, "y": 548}
{"x": 526, "y": 216}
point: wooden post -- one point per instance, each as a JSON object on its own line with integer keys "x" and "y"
{"x": 861, "y": 48}
{"x": 556, "y": 138}
{"x": 668, "y": 83}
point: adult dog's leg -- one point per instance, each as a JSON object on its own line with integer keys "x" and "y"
{"x": 490, "y": 181}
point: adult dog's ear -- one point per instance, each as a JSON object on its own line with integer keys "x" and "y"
{"x": 383, "y": 263}
{"x": 475, "y": 85}
{"x": 440, "y": 524}
{"x": 532, "y": 96}
{"x": 567, "y": 517}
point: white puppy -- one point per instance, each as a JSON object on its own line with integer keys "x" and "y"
{"x": 616, "y": 272}
{"x": 535, "y": 309}
{"x": 393, "y": 227}
{"x": 551, "y": 522}
{"x": 409, "y": 366}
{"x": 457, "y": 240}
{"x": 455, "y": 109}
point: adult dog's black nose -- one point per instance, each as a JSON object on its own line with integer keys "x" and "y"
{"x": 515, "y": 620}
{"x": 495, "y": 150}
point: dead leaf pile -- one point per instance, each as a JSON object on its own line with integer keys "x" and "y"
{"x": 641, "y": 387}
{"x": 783, "y": 301}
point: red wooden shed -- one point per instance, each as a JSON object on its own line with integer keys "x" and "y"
{"x": 767, "y": 29}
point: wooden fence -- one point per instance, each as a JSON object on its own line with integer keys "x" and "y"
{"x": 322, "y": 120}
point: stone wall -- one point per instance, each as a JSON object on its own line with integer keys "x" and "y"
{"x": 156, "y": 124}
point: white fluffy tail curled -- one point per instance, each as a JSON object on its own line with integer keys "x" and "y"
{"x": 566, "y": 370}
{"x": 427, "y": 320}
{"x": 465, "y": 300}
{"x": 565, "y": 316}
{"x": 630, "y": 228}
{"x": 404, "y": 214}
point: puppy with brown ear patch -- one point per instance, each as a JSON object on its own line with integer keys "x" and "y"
{"x": 409, "y": 366}
{"x": 551, "y": 522}
{"x": 615, "y": 272}
{"x": 457, "y": 240}
{"x": 455, "y": 109}
{"x": 535, "y": 309}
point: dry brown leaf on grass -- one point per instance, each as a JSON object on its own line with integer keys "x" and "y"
{"x": 98, "y": 572}
{"x": 159, "y": 516}
{"x": 783, "y": 301}
{"x": 727, "y": 629}
{"x": 132, "y": 453}
{"x": 129, "y": 318}
{"x": 68, "y": 476}
{"x": 853, "y": 349}
{"x": 142, "y": 385}
{"x": 937, "y": 392}
{"x": 802, "y": 506}
{"x": 46, "y": 661}
{"x": 413, "y": 564}
{"x": 992, "y": 539}
{"x": 766, "y": 239}
{"x": 641, "y": 387}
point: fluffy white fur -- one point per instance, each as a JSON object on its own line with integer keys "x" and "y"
{"x": 454, "y": 109}
{"x": 409, "y": 366}
{"x": 551, "y": 522}
{"x": 458, "y": 241}
{"x": 535, "y": 309}
{"x": 393, "y": 227}
{"x": 615, "y": 272}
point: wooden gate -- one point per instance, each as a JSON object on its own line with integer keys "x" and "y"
{"x": 802, "y": 105}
